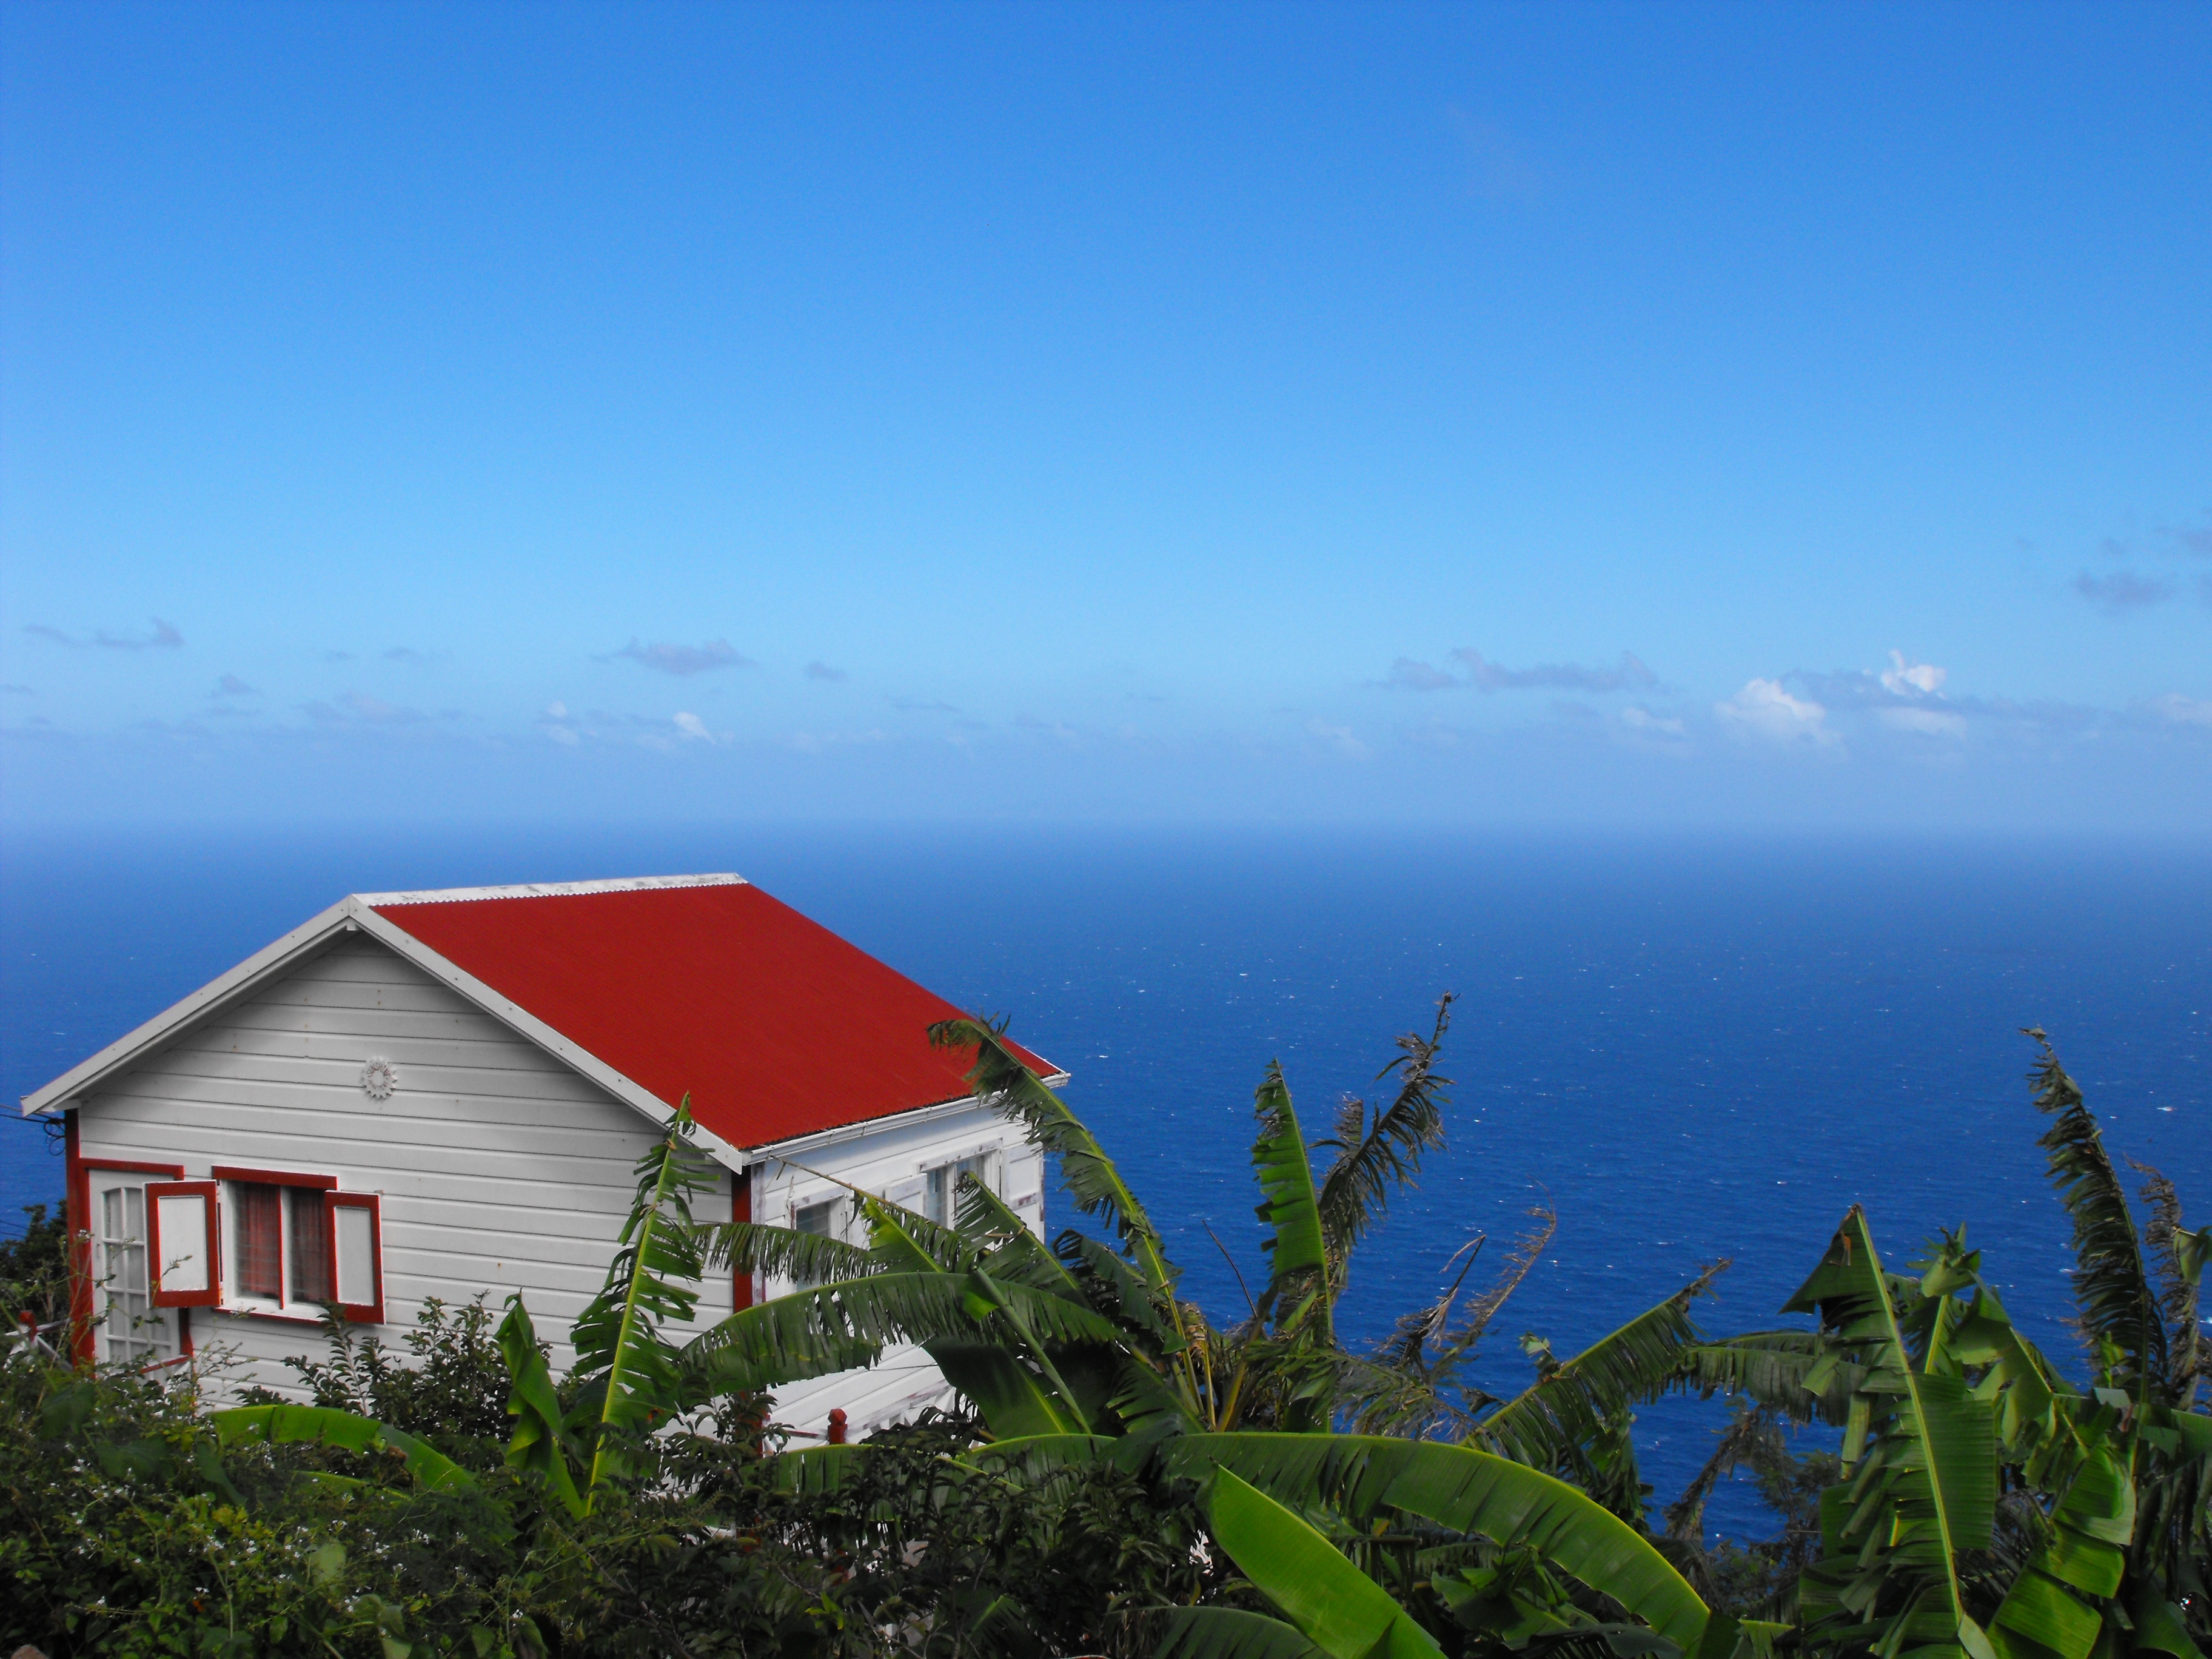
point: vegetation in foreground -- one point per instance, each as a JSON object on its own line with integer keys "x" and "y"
{"x": 1129, "y": 1478}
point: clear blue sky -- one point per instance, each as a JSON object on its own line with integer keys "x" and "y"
{"x": 1505, "y": 414}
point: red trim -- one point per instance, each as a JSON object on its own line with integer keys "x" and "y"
{"x": 77, "y": 1206}
{"x": 362, "y": 1313}
{"x": 741, "y": 1209}
{"x": 130, "y": 1166}
{"x": 271, "y": 1177}
{"x": 208, "y": 1191}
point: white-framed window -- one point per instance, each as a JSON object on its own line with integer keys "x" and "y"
{"x": 820, "y": 1218}
{"x": 293, "y": 1245}
{"x": 133, "y": 1331}
{"x": 940, "y": 1191}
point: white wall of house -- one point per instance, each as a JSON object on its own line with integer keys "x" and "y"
{"x": 890, "y": 1159}
{"x": 500, "y": 1168}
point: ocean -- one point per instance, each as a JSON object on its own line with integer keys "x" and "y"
{"x": 1690, "y": 1049}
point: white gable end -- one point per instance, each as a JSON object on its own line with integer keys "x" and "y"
{"x": 499, "y": 1167}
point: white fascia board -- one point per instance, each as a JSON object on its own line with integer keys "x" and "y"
{"x": 262, "y": 965}
{"x": 512, "y": 1014}
{"x": 805, "y": 1146}
{"x": 550, "y": 889}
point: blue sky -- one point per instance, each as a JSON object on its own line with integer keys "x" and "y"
{"x": 1639, "y": 414}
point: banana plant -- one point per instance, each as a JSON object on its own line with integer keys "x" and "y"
{"x": 1920, "y": 1458}
{"x": 1287, "y": 1507}
{"x": 2102, "y": 1530}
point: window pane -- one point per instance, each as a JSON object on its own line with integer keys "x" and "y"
{"x": 260, "y": 1216}
{"x": 819, "y": 1219}
{"x": 934, "y": 1206}
{"x": 311, "y": 1247}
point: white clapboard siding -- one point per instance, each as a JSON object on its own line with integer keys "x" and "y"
{"x": 500, "y": 1168}
{"x": 888, "y": 1161}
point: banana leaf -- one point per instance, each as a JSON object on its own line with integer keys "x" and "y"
{"x": 1924, "y": 1487}
{"x": 541, "y": 1444}
{"x": 1374, "y": 1157}
{"x": 1003, "y": 1083}
{"x": 2112, "y": 1288}
{"x": 1336, "y": 1607}
{"x": 1570, "y": 1406}
{"x": 326, "y": 1426}
{"x": 1297, "y": 1256}
{"x": 1229, "y": 1633}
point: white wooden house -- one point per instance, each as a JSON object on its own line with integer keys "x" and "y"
{"x": 439, "y": 1094}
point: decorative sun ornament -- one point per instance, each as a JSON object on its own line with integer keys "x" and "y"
{"x": 378, "y": 1079}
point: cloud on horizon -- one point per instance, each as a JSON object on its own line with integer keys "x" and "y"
{"x": 682, "y": 660}
{"x": 1409, "y": 674}
{"x": 163, "y": 638}
{"x": 1764, "y": 712}
{"x": 350, "y": 706}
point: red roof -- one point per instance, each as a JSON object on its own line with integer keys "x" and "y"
{"x": 774, "y": 1025}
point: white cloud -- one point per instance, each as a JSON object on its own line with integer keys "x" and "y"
{"x": 1763, "y": 710}
{"x": 1338, "y": 737}
{"x": 2184, "y": 711}
{"x": 1931, "y": 722}
{"x": 1642, "y": 719}
{"x": 692, "y": 726}
{"x": 1903, "y": 678}
{"x": 1419, "y": 675}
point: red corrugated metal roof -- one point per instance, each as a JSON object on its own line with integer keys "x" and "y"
{"x": 774, "y": 1025}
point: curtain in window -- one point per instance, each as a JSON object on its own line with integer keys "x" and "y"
{"x": 260, "y": 1219}
{"x": 310, "y": 1248}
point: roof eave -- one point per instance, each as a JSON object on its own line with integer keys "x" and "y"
{"x": 792, "y": 1146}
{"x": 265, "y": 964}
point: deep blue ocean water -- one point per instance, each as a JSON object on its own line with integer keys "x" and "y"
{"x": 1690, "y": 1049}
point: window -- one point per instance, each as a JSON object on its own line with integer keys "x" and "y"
{"x": 820, "y": 1219}
{"x": 941, "y": 1194}
{"x": 136, "y": 1331}
{"x": 298, "y": 1245}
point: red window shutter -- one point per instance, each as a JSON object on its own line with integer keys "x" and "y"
{"x": 185, "y": 1241}
{"x": 354, "y": 1230}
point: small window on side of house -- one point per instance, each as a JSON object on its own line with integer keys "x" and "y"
{"x": 941, "y": 1195}
{"x": 821, "y": 1220}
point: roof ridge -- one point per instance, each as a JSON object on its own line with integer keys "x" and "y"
{"x": 547, "y": 890}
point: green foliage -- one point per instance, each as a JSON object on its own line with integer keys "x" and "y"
{"x": 1134, "y": 1479}
{"x": 451, "y": 1391}
{"x": 34, "y": 1269}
